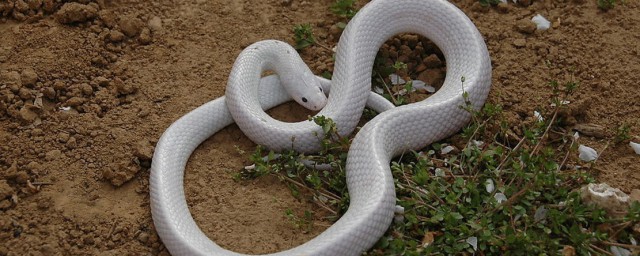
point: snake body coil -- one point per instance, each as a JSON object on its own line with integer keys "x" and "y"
{"x": 392, "y": 132}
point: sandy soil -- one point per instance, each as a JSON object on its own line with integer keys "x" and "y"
{"x": 86, "y": 89}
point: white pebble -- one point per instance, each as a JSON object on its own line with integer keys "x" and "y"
{"x": 619, "y": 251}
{"x": 587, "y": 154}
{"x": 635, "y": 147}
{"x": 417, "y": 85}
{"x": 489, "y": 185}
{"x": 396, "y": 80}
{"x": 473, "y": 241}
{"x": 541, "y": 22}
{"x": 538, "y": 116}
{"x": 500, "y": 197}
{"x": 447, "y": 149}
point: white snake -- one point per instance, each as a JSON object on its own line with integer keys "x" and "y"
{"x": 392, "y": 132}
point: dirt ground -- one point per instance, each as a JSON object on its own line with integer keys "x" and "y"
{"x": 87, "y": 89}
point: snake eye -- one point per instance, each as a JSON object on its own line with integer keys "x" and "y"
{"x": 320, "y": 89}
{"x": 304, "y": 99}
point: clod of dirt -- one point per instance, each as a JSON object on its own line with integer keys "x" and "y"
{"x": 525, "y": 26}
{"x": 52, "y": 155}
{"x": 503, "y": 7}
{"x": 143, "y": 150}
{"x": 520, "y": 42}
{"x": 28, "y": 113}
{"x": 116, "y": 36}
{"x": 130, "y": 26}
{"x": 15, "y": 175}
{"x": 155, "y": 24}
{"x": 29, "y": 77}
{"x": 76, "y": 12}
{"x": 74, "y": 102}
{"x": 120, "y": 173}
{"x": 25, "y": 94}
{"x": 108, "y": 18}
{"x": 145, "y": 36}
{"x": 12, "y": 79}
{"x": 432, "y": 77}
{"x": 124, "y": 88}
{"x": 5, "y": 190}
{"x": 432, "y": 61}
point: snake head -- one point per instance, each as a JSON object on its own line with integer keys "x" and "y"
{"x": 310, "y": 94}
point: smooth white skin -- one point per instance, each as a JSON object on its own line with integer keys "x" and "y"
{"x": 295, "y": 76}
{"x": 369, "y": 178}
{"x": 305, "y": 89}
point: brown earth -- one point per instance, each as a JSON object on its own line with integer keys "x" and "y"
{"x": 86, "y": 89}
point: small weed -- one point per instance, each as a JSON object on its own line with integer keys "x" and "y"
{"x": 344, "y": 8}
{"x": 304, "y": 222}
{"x": 303, "y": 36}
{"x": 606, "y": 4}
{"x": 622, "y": 134}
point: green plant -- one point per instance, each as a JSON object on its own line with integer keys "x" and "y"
{"x": 622, "y": 133}
{"x": 304, "y": 222}
{"x": 303, "y": 36}
{"x": 606, "y": 4}
{"x": 344, "y": 8}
